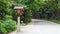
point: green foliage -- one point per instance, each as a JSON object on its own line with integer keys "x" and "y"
{"x": 23, "y": 24}
{"x": 7, "y": 26}
{"x": 6, "y": 22}
{"x": 5, "y": 8}
{"x": 55, "y": 21}
{"x": 38, "y": 8}
{"x": 45, "y": 6}
{"x": 28, "y": 16}
{"x": 8, "y": 17}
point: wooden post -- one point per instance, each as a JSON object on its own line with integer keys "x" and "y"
{"x": 18, "y": 24}
{"x": 18, "y": 20}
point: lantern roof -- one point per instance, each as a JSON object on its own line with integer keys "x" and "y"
{"x": 18, "y": 7}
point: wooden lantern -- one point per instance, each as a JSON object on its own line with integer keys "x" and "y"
{"x": 19, "y": 10}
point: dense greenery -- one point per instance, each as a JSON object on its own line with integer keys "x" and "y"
{"x": 8, "y": 16}
{"x": 6, "y": 22}
{"x": 40, "y": 9}
{"x": 7, "y": 25}
{"x": 45, "y": 9}
{"x": 27, "y": 13}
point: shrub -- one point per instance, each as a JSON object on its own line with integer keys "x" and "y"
{"x": 27, "y": 16}
{"x": 7, "y": 26}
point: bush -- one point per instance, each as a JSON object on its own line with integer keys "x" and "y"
{"x": 7, "y": 26}
{"x": 55, "y": 21}
{"x": 27, "y": 16}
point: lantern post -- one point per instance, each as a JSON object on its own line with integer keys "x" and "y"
{"x": 19, "y": 12}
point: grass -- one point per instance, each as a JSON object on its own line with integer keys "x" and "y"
{"x": 22, "y": 24}
{"x": 54, "y": 20}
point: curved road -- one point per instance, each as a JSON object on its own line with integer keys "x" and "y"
{"x": 40, "y": 27}
{"x": 42, "y": 22}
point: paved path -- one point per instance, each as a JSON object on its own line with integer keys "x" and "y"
{"x": 40, "y": 27}
{"x": 41, "y": 22}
